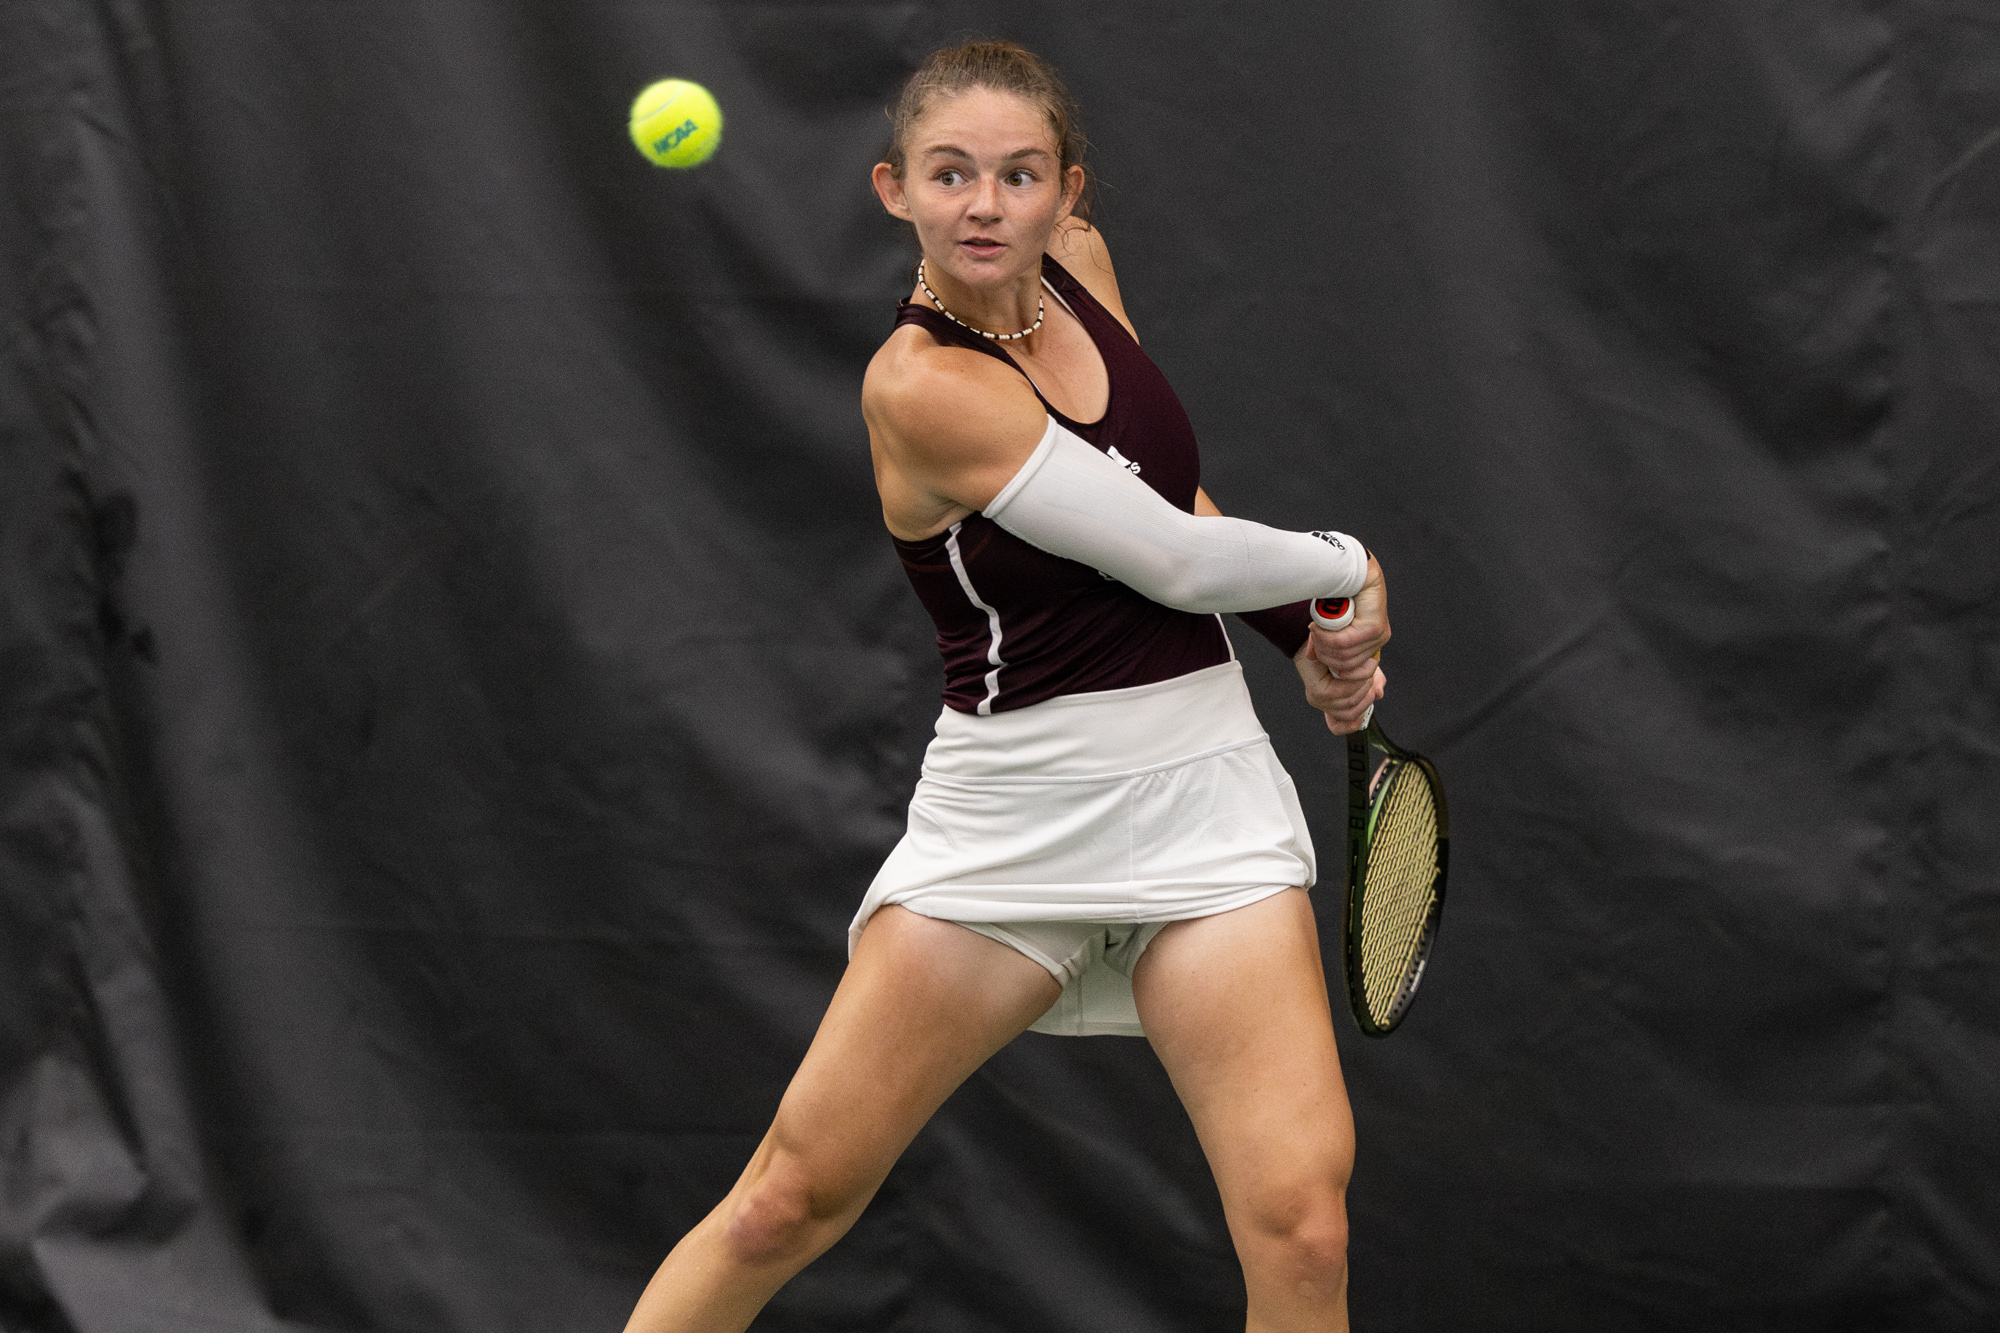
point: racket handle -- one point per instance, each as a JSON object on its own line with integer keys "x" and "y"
{"x": 1332, "y": 612}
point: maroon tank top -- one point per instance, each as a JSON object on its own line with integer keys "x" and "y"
{"x": 1017, "y": 625}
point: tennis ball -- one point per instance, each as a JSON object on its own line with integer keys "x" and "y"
{"x": 676, "y": 123}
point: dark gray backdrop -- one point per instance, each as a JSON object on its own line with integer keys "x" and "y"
{"x": 454, "y": 687}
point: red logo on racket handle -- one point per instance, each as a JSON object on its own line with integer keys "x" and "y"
{"x": 1333, "y": 612}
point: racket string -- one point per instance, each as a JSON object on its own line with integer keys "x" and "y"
{"x": 1398, "y": 886}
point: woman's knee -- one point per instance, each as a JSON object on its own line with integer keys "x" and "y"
{"x": 782, "y": 1213}
{"x": 1301, "y": 1225}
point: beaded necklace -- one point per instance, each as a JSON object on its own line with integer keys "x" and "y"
{"x": 1041, "y": 308}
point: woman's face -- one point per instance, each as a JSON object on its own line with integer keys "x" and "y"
{"x": 983, "y": 185}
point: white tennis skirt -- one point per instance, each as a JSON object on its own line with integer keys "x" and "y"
{"x": 1156, "y": 803}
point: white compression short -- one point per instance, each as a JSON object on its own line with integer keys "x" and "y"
{"x": 1071, "y": 500}
{"x": 1073, "y": 952}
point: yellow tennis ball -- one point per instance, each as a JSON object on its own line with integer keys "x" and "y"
{"x": 676, "y": 123}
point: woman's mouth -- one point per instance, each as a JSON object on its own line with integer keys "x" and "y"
{"x": 983, "y": 246}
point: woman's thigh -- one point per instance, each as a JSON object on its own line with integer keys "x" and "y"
{"x": 1236, "y": 1006}
{"x": 922, "y": 1004}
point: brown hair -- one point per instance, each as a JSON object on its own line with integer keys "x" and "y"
{"x": 1004, "y": 67}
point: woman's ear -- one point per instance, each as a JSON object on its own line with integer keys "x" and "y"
{"x": 1072, "y": 190}
{"x": 889, "y": 189}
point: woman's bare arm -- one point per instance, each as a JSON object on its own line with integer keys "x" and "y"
{"x": 948, "y": 429}
{"x": 1079, "y": 247}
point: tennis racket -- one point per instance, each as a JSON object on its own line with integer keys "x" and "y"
{"x": 1398, "y": 837}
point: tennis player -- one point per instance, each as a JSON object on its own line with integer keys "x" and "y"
{"x": 1102, "y": 840}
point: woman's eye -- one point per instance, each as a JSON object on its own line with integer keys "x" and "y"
{"x": 1018, "y": 178}
{"x": 949, "y": 178}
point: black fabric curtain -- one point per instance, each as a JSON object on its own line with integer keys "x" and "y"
{"x": 454, "y": 685}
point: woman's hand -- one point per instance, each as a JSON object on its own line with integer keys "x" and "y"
{"x": 1341, "y": 668}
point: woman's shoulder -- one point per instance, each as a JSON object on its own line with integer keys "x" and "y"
{"x": 1083, "y": 254}
{"x": 947, "y": 427}
{"x": 913, "y": 378}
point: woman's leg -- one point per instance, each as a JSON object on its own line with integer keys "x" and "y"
{"x": 923, "y": 1004}
{"x": 1236, "y": 1007}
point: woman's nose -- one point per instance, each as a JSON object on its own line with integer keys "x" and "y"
{"x": 986, "y": 200}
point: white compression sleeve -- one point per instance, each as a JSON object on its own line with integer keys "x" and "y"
{"x": 1071, "y": 500}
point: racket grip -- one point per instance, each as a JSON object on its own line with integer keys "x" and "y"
{"x": 1332, "y": 612}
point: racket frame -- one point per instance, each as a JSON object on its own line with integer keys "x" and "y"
{"x": 1361, "y": 815}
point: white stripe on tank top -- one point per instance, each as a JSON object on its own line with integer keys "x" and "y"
{"x": 992, "y": 620}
